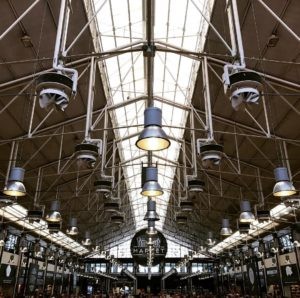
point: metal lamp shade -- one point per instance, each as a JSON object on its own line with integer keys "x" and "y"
{"x": 73, "y": 229}
{"x": 15, "y": 186}
{"x": 54, "y": 215}
{"x": 246, "y": 215}
{"x": 283, "y": 187}
{"x": 151, "y": 211}
{"x": 150, "y": 187}
{"x": 210, "y": 239}
{"x": 153, "y": 137}
{"x": 87, "y": 241}
{"x": 225, "y": 230}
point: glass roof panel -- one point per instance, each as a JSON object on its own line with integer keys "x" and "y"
{"x": 180, "y": 24}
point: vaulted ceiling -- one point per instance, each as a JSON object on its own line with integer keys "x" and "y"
{"x": 255, "y": 139}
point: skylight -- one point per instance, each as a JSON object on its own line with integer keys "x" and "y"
{"x": 177, "y": 23}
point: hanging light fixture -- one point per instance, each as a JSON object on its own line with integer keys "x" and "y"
{"x": 210, "y": 239}
{"x": 54, "y": 215}
{"x": 150, "y": 187}
{"x": 153, "y": 137}
{"x": 87, "y": 241}
{"x": 226, "y": 230}
{"x": 283, "y": 187}
{"x": 246, "y": 215}
{"x": 73, "y": 229}
{"x": 15, "y": 186}
{"x": 151, "y": 214}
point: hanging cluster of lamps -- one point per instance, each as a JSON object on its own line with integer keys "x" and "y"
{"x": 152, "y": 138}
{"x": 283, "y": 188}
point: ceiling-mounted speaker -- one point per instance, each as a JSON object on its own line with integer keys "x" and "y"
{"x": 86, "y": 155}
{"x": 54, "y": 89}
{"x": 211, "y": 154}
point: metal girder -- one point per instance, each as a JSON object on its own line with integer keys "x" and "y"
{"x": 198, "y": 56}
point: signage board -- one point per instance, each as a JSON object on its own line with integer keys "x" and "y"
{"x": 139, "y": 248}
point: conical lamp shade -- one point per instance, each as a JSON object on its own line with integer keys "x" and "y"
{"x": 226, "y": 230}
{"x": 246, "y": 215}
{"x": 54, "y": 215}
{"x": 151, "y": 211}
{"x": 153, "y": 137}
{"x": 87, "y": 241}
{"x": 73, "y": 229}
{"x": 15, "y": 186}
{"x": 283, "y": 187}
{"x": 151, "y": 188}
